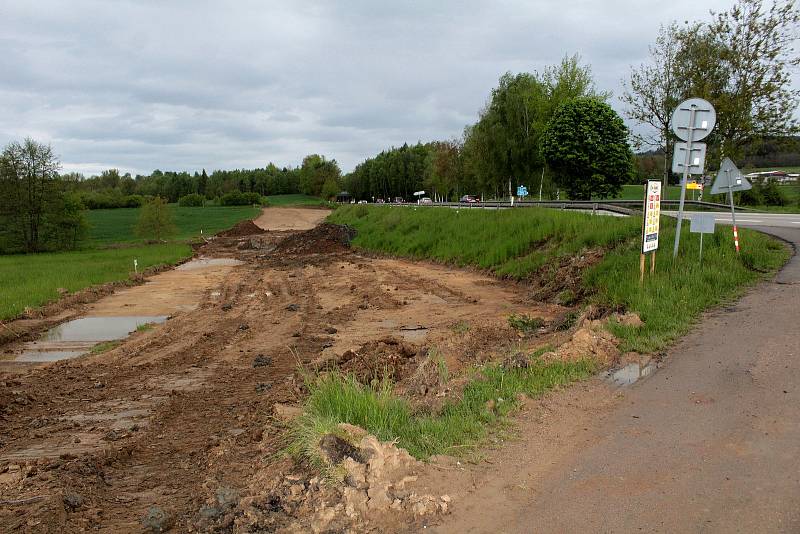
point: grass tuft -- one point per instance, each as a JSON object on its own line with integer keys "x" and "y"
{"x": 485, "y": 402}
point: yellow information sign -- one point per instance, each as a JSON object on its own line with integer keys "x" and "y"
{"x": 652, "y": 215}
{"x": 694, "y": 185}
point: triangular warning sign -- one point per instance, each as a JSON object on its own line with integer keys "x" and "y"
{"x": 729, "y": 178}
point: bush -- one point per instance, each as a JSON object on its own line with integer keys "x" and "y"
{"x": 95, "y": 200}
{"x": 768, "y": 194}
{"x": 192, "y": 201}
{"x": 237, "y": 198}
{"x": 155, "y": 220}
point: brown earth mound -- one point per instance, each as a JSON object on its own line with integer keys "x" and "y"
{"x": 324, "y": 238}
{"x": 242, "y": 229}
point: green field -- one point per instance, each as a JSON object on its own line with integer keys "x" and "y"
{"x": 111, "y": 226}
{"x": 285, "y": 201}
{"x": 33, "y": 279}
{"x": 521, "y": 243}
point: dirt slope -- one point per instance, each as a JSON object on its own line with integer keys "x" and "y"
{"x": 277, "y": 219}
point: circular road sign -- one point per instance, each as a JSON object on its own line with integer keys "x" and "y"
{"x": 705, "y": 117}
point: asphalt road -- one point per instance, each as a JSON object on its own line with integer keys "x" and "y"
{"x": 750, "y": 219}
{"x": 709, "y": 443}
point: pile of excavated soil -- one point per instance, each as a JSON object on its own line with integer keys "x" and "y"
{"x": 387, "y": 358}
{"x": 322, "y": 239}
{"x": 242, "y": 229}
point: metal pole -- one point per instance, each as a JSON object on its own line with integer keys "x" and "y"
{"x": 701, "y": 248}
{"x": 541, "y": 182}
{"x": 733, "y": 212}
{"x": 686, "y": 163}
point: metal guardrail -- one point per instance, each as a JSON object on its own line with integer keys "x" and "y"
{"x": 625, "y": 207}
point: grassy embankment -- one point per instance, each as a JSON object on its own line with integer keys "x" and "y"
{"x": 790, "y": 191}
{"x": 30, "y": 280}
{"x": 520, "y": 244}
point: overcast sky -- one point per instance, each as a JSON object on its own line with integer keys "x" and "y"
{"x": 186, "y": 85}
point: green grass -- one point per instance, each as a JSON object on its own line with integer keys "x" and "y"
{"x": 461, "y": 424}
{"x": 33, "y": 279}
{"x": 112, "y": 226}
{"x": 518, "y": 243}
{"x": 284, "y": 201}
{"x": 636, "y": 192}
{"x": 105, "y": 346}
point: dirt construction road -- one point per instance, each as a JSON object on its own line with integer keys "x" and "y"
{"x": 183, "y": 414}
{"x": 710, "y": 443}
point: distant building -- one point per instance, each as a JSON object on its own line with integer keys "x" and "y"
{"x": 781, "y": 177}
{"x": 344, "y": 197}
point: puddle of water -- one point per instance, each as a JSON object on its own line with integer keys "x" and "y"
{"x": 99, "y": 328}
{"x": 77, "y": 337}
{"x": 202, "y": 263}
{"x": 630, "y": 374}
{"x": 34, "y": 356}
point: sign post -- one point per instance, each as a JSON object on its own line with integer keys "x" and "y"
{"x": 650, "y": 225}
{"x": 702, "y": 223}
{"x": 730, "y": 179}
{"x": 692, "y": 121}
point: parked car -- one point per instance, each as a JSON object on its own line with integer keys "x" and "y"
{"x": 399, "y": 200}
{"x": 425, "y": 200}
{"x": 380, "y": 201}
{"x": 362, "y": 201}
{"x": 469, "y": 199}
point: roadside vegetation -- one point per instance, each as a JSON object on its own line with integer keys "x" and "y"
{"x": 461, "y": 424}
{"x": 111, "y": 226}
{"x": 30, "y": 280}
{"x": 530, "y": 242}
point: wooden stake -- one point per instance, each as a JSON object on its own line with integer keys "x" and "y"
{"x": 653, "y": 262}
{"x": 641, "y": 269}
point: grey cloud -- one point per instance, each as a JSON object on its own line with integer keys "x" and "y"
{"x": 140, "y": 85}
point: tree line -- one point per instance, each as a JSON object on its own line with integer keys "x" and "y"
{"x": 739, "y": 60}
{"x": 41, "y": 209}
{"x": 110, "y": 189}
{"x": 503, "y": 149}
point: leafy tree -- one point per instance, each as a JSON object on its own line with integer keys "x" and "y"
{"x": 194, "y": 200}
{"x": 31, "y": 193}
{"x": 330, "y": 189}
{"x": 155, "y": 220}
{"x": 443, "y": 167}
{"x": 586, "y": 146}
{"x": 741, "y": 62}
{"x": 315, "y": 171}
{"x": 504, "y": 147}
{"x": 653, "y": 92}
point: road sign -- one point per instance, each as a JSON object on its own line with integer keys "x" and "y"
{"x": 729, "y": 178}
{"x": 522, "y": 191}
{"x": 702, "y": 223}
{"x": 694, "y": 185}
{"x": 695, "y": 115}
{"x": 652, "y": 214}
{"x": 692, "y": 121}
{"x": 697, "y": 159}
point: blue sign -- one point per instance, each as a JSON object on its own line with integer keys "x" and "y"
{"x": 522, "y": 191}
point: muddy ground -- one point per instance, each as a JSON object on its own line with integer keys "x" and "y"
{"x": 178, "y": 415}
